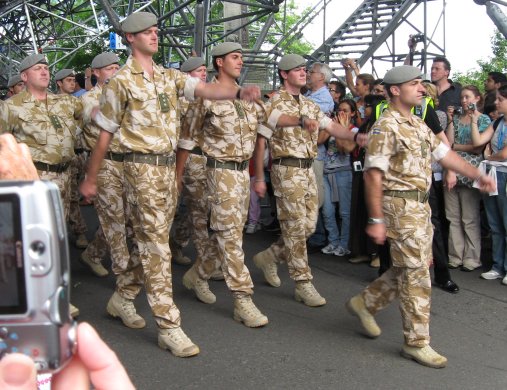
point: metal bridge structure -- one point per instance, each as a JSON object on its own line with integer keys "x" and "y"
{"x": 64, "y": 30}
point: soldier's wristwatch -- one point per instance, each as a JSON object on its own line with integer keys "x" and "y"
{"x": 374, "y": 221}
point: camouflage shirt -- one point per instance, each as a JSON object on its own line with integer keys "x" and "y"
{"x": 4, "y": 117}
{"x": 293, "y": 141}
{"x": 145, "y": 112}
{"x": 402, "y": 148}
{"x": 229, "y": 127}
{"x": 90, "y": 130}
{"x": 47, "y": 127}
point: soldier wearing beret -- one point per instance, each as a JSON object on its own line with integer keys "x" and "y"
{"x": 397, "y": 179}
{"x": 15, "y": 85}
{"x": 47, "y": 123}
{"x": 141, "y": 104}
{"x": 109, "y": 203}
{"x": 65, "y": 81}
{"x": 293, "y": 151}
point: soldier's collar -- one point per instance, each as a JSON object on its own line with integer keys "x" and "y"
{"x": 138, "y": 69}
{"x": 401, "y": 118}
{"x": 284, "y": 95}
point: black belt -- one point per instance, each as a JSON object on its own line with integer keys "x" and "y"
{"x": 420, "y": 196}
{"x": 119, "y": 157}
{"x": 58, "y": 168}
{"x": 236, "y": 166}
{"x": 152, "y": 159}
{"x": 197, "y": 150}
{"x": 294, "y": 162}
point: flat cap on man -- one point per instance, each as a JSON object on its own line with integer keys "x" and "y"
{"x": 32, "y": 60}
{"x": 401, "y": 74}
{"x": 13, "y": 80}
{"x": 61, "y": 74}
{"x": 225, "y": 48}
{"x": 191, "y": 64}
{"x": 138, "y": 22}
{"x": 291, "y": 61}
{"x": 104, "y": 59}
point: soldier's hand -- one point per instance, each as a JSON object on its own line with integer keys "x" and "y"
{"x": 260, "y": 188}
{"x": 250, "y": 93}
{"x": 311, "y": 125}
{"x": 377, "y": 232}
{"x": 179, "y": 183}
{"x": 362, "y": 139}
{"x": 88, "y": 189}
{"x": 15, "y": 160}
{"x": 487, "y": 184}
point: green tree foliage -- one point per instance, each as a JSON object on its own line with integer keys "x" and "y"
{"x": 496, "y": 63}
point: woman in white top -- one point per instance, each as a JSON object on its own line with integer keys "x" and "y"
{"x": 496, "y": 206}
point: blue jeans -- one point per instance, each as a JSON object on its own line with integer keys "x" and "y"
{"x": 496, "y": 210}
{"x": 344, "y": 183}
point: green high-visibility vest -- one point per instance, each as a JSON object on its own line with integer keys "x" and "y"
{"x": 420, "y": 111}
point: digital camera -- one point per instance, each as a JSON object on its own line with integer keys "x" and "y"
{"x": 417, "y": 38}
{"x": 34, "y": 275}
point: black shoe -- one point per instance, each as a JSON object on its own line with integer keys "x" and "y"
{"x": 448, "y": 286}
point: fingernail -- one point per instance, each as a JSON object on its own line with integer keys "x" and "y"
{"x": 16, "y": 374}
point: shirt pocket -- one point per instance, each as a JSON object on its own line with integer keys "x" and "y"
{"x": 143, "y": 109}
{"x": 34, "y": 129}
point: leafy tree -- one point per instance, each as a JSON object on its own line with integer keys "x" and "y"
{"x": 496, "y": 63}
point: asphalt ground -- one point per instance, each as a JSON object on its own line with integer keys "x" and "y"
{"x": 303, "y": 347}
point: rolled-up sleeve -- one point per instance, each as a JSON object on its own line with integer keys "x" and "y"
{"x": 381, "y": 146}
{"x": 190, "y": 85}
{"x": 112, "y": 101}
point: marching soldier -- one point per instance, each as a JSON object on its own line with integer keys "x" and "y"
{"x": 397, "y": 179}
{"x": 293, "y": 151}
{"x": 141, "y": 104}
{"x": 47, "y": 123}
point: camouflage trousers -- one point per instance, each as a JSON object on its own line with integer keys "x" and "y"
{"x": 77, "y": 168}
{"x": 181, "y": 230}
{"x": 62, "y": 180}
{"x": 152, "y": 196}
{"x": 195, "y": 195}
{"x": 410, "y": 235}
{"x": 297, "y": 205}
{"x": 97, "y": 249}
{"x": 112, "y": 210}
{"x": 229, "y": 194}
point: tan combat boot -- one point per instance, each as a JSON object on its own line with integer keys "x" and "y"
{"x": 81, "y": 241}
{"x": 425, "y": 356}
{"x": 246, "y": 312}
{"x": 357, "y": 307}
{"x": 97, "y": 268}
{"x": 266, "y": 261}
{"x": 192, "y": 281}
{"x": 176, "y": 341}
{"x": 73, "y": 310}
{"x": 125, "y": 309}
{"x": 305, "y": 292}
{"x": 177, "y": 253}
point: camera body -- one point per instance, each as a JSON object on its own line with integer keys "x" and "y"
{"x": 472, "y": 106}
{"x": 357, "y": 166}
{"x": 458, "y": 111}
{"x": 417, "y": 38}
{"x": 35, "y": 275}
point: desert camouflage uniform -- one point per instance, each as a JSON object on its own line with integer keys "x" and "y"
{"x": 111, "y": 235}
{"x": 229, "y": 133}
{"x": 295, "y": 188}
{"x": 145, "y": 113}
{"x": 77, "y": 169}
{"x": 49, "y": 129}
{"x": 402, "y": 148}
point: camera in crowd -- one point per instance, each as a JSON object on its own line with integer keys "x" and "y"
{"x": 35, "y": 275}
{"x": 417, "y": 38}
{"x": 459, "y": 110}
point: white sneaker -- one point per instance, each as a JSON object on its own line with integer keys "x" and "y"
{"x": 329, "y": 249}
{"x": 340, "y": 251}
{"x": 252, "y": 227}
{"x": 504, "y": 280}
{"x": 491, "y": 275}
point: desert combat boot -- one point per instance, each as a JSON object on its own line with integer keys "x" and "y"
{"x": 125, "y": 309}
{"x": 192, "y": 281}
{"x": 266, "y": 262}
{"x": 176, "y": 341}
{"x": 305, "y": 292}
{"x": 246, "y": 312}
{"x": 357, "y": 307}
{"x": 426, "y": 356}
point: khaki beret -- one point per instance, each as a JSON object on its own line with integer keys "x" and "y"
{"x": 61, "y": 74}
{"x": 225, "y": 48}
{"x": 32, "y": 60}
{"x": 401, "y": 74}
{"x": 13, "y": 80}
{"x": 138, "y": 22}
{"x": 191, "y": 64}
{"x": 291, "y": 61}
{"x": 104, "y": 59}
